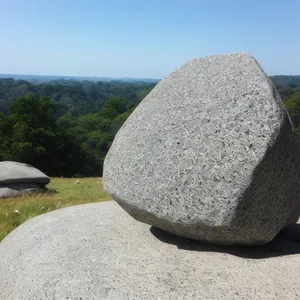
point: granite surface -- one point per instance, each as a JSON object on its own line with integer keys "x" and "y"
{"x": 210, "y": 154}
{"x": 97, "y": 251}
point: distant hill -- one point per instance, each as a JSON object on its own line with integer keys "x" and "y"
{"x": 286, "y": 81}
{"x": 287, "y": 85}
{"x": 72, "y": 96}
{"x": 70, "y": 134}
{"x": 82, "y": 95}
{"x": 281, "y": 81}
{"x": 47, "y": 78}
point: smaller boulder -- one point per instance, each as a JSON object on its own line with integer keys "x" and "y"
{"x": 16, "y": 172}
{"x": 18, "y": 178}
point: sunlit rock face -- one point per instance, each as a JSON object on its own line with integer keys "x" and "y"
{"x": 210, "y": 154}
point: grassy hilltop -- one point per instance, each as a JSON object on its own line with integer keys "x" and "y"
{"x": 15, "y": 211}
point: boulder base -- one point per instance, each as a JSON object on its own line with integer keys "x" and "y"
{"x": 97, "y": 251}
{"x": 18, "y": 189}
{"x": 210, "y": 154}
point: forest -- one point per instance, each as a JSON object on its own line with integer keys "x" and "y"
{"x": 65, "y": 127}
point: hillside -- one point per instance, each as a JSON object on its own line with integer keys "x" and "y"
{"x": 74, "y": 97}
{"x": 82, "y": 97}
{"x": 47, "y": 78}
{"x": 286, "y": 85}
{"x": 286, "y": 81}
{"x": 65, "y": 127}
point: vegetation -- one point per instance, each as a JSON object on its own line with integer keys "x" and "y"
{"x": 69, "y": 131}
{"x": 15, "y": 211}
{"x": 293, "y": 107}
{"x": 72, "y": 97}
{"x": 286, "y": 85}
{"x": 65, "y": 127}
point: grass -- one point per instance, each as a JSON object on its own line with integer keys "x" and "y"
{"x": 15, "y": 211}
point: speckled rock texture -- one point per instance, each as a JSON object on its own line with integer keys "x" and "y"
{"x": 97, "y": 251}
{"x": 210, "y": 154}
{"x": 18, "y": 178}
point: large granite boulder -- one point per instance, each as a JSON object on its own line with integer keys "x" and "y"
{"x": 97, "y": 251}
{"x": 210, "y": 154}
{"x": 18, "y": 178}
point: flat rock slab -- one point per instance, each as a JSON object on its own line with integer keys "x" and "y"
{"x": 97, "y": 251}
{"x": 16, "y": 172}
{"x": 18, "y": 189}
{"x": 210, "y": 154}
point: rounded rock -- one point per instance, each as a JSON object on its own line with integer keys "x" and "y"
{"x": 97, "y": 251}
{"x": 210, "y": 154}
{"x": 16, "y": 172}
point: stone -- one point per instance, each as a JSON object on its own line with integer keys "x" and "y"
{"x": 16, "y": 172}
{"x": 97, "y": 251}
{"x": 18, "y": 189}
{"x": 210, "y": 154}
{"x": 18, "y": 178}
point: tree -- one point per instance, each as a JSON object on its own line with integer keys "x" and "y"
{"x": 293, "y": 107}
{"x": 32, "y": 136}
{"x": 65, "y": 146}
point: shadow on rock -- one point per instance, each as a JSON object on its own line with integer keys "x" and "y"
{"x": 287, "y": 242}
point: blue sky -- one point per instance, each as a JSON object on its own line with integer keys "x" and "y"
{"x": 144, "y": 38}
